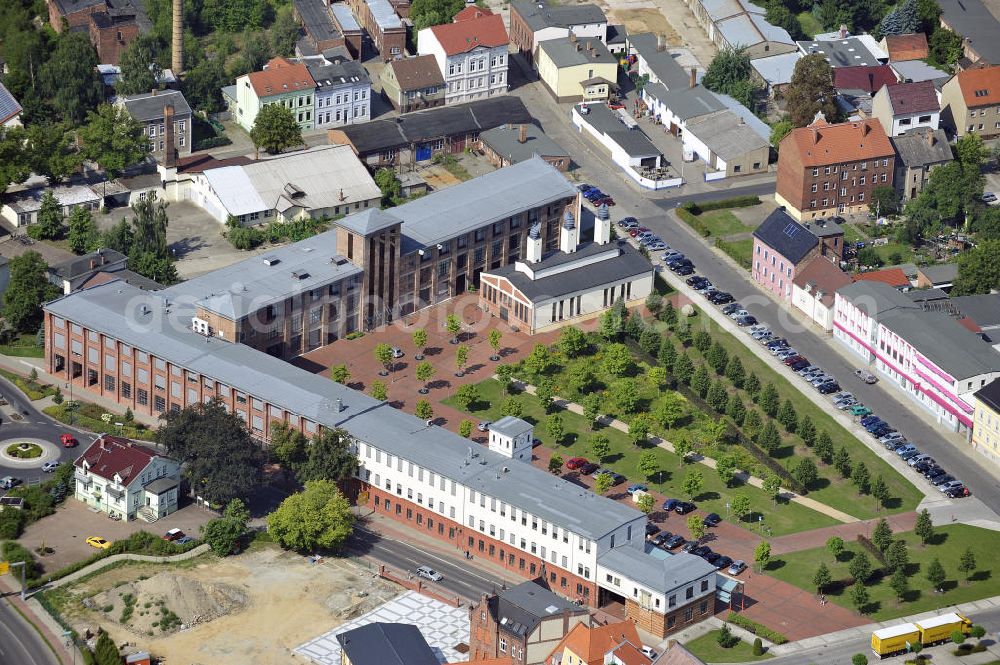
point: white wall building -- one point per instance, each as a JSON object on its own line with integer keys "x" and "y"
{"x": 343, "y": 92}
{"x": 471, "y": 54}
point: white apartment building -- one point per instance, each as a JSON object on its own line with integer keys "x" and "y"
{"x": 343, "y": 92}
{"x": 471, "y": 54}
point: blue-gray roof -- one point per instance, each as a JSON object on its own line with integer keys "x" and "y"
{"x": 633, "y": 141}
{"x": 8, "y": 105}
{"x": 564, "y": 52}
{"x": 974, "y": 21}
{"x": 384, "y": 14}
{"x": 505, "y": 141}
{"x": 511, "y": 426}
{"x": 687, "y": 102}
{"x": 117, "y": 309}
{"x": 345, "y": 19}
{"x": 786, "y": 236}
{"x": 539, "y": 15}
{"x": 664, "y": 574}
{"x": 386, "y": 644}
{"x": 662, "y": 63}
{"x": 777, "y": 69}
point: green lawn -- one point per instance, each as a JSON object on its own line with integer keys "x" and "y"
{"x": 707, "y": 649}
{"x": 740, "y": 251}
{"x": 782, "y": 519}
{"x": 809, "y": 24}
{"x": 853, "y": 234}
{"x": 950, "y": 542}
{"x": 722, "y": 223}
{"x": 24, "y": 345}
{"x": 886, "y": 252}
{"x": 831, "y": 488}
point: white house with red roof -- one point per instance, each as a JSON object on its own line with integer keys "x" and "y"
{"x": 119, "y": 477}
{"x": 471, "y": 53}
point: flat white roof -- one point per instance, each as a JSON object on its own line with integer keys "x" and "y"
{"x": 895, "y": 631}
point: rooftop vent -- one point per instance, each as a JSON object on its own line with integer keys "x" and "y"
{"x": 569, "y": 222}
{"x": 535, "y": 232}
{"x": 338, "y": 260}
{"x": 293, "y": 191}
{"x": 299, "y": 274}
{"x": 271, "y": 260}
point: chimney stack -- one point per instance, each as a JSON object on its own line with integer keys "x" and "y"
{"x": 569, "y": 234}
{"x": 533, "y": 253}
{"x": 522, "y": 133}
{"x": 930, "y": 137}
{"x": 694, "y": 77}
{"x": 93, "y": 264}
{"x": 170, "y": 152}
{"x": 661, "y": 43}
{"x": 589, "y": 46}
{"x": 152, "y": 93}
{"x": 177, "y": 44}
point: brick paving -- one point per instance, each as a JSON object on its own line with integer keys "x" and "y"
{"x": 807, "y": 540}
{"x": 795, "y": 613}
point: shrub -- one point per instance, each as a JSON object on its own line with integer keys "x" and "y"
{"x": 16, "y": 553}
{"x": 756, "y": 628}
{"x": 758, "y": 647}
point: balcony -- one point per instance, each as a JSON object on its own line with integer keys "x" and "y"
{"x": 83, "y": 479}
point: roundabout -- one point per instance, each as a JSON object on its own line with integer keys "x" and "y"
{"x": 27, "y": 452}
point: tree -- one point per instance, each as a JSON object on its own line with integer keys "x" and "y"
{"x": 882, "y": 535}
{"x": 220, "y": 459}
{"x": 822, "y": 577}
{"x": 317, "y": 517}
{"x": 669, "y": 314}
{"x": 978, "y": 270}
{"x": 884, "y": 201}
{"x": 696, "y": 527}
{"x": 504, "y": 374}
{"x": 835, "y": 546}
{"x": 555, "y": 427}
{"x": 284, "y": 32}
{"x": 682, "y": 448}
{"x": 945, "y": 48}
{"x": 735, "y": 409}
{"x": 625, "y": 394}
{"x": 730, "y": 73}
{"x": 842, "y": 462}
{"x": 223, "y": 533}
{"x": 649, "y": 464}
{"x": 572, "y": 342}
{"x": 202, "y": 84}
{"x": 654, "y": 303}
{"x": 425, "y": 13}
{"x": 423, "y": 410}
{"x": 899, "y": 584}
{"x": 105, "y": 652}
{"x": 639, "y": 428}
{"x": 700, "y": 381}
{"x": 772, "y": 486}
{"x": 780, "y": 130}
{"x": 762, "y": 555}
{"x": 545, "y": 393}
{"x": 275, "y": 129}
{"x": 734, "y": 371}
{"x": 860, "y": 597}
{"x": 328, "y": 457}
{"x": 50, "y": 218}
{"x": 860, "y": 567}
{"x": 824, "y": 447}
{"x": 340, "y": 374}
{"x": 15, "y": 165}
{"x": 140, "y": 71}
{"x": 28, "y": 288}
{"x": 656, "y": 376}
{"x": 288, "y": 446}
{"x": 467, "y": 396}
{"x": 805, "y": 472}
{"x": 419, "y": 338}
{"x": 880, "y": 490}
{"x": 897, "y": 557}
{"x": 683, "y": 368}
{"x": 646, "y": 503}
{"x": 758, "y": 647}
{"x": 752, "y": 385}
{"x": 495, "y": 338}
{"x": 717, "y": 357}
{"x": 786, "y": 416}
{"x": 806, "y": 430}
{"x": 83, "y": 235}
{"x": 383, "y": 354}
{"x": 725, "y": 638}
{"x": 741, "y": 506}
{"x": 967, "y": 563}
{"x": 591, "y": 408}
{"x": 957, "y": 637}
{"x": 461, "y": 358}
{"x": 69, "y": 78}
{"x": 726, "y": 466}
{"x": 978, "y": 631}
{"x": 113, "y": 139}
{"x": 649, "y": 341}
{"x": 861, "y": 478}
{"x": 465, "y": 429}
{"x": 923, "y": 527}
{"x": 859, "y": 659}
{"x": 555, "y": 463}
{"x": 50, "y": 150}
{"x": 600, "y": 447}
{"x": 693, "y": 483}
{"x": 769, "y": 400}
{"x": 379, "y": 390}
{"x": 424, "y": 372}
{"x": 935, "y": 573}
{"x": 769, "y": 439}
{"x": 902, "y": 20}
{"x": 453, "y": 325}
{"x": 811, "y": 91}
{"x": 603, "y": 483}
{"x": 751, "y": 424}
{"x": 612, "y": 322}
{"x": 717, "y": 397}
{"x": 233, "y": 15}
{"x": 617, "y": 360}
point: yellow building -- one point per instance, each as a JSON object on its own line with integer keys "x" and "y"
{"x": 986, "y": 419}
{"x": 577, "y": 69}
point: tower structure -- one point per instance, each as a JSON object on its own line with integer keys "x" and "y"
{"x": 177, "y": 44}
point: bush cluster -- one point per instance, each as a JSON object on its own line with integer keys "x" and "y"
{"x": 757, "y": 629}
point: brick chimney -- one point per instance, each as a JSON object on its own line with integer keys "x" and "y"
{"x": 522, "y": 134}
{"x": 661, "y": 43}
{"x": 694, "y": 77}
{"x": 169, "y": 152}
{"x": 865, "y": 128}
{"x": 930, "y": 137}
{"x": 589, "y": 46}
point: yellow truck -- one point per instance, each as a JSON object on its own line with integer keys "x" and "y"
{"x": 934, "y": 630}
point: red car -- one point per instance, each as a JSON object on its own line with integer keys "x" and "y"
{"x": 173, "y": 535}
{"x": 68, "y": 441}
{"x": 574, "y": 463}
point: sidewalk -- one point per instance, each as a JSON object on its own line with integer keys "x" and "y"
{"x": 806, "y": 540}
{"x": 46, "y": 626}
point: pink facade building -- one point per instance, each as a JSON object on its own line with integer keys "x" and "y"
{"x": 928, "y": 354}
{"x": 782, "y": 246}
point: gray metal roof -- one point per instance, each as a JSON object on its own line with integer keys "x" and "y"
{"x": 875, "y": 298}
{"x": 918, "y": 70}
{"x": 342, "y": 13}
{"x": 687, "y": 102}
{"x": 662, "y": 63}
{"x": 725, "y": 135}
{"x": 777, "y": 69}
{"x": 786, "y": 236}
{"x": 369, "y": 221}
{"x": 316, "y": 19}
{"x": 566, "y": 53}
{"x": 8, "y": 105}
{"x": 385, "y": 16}
{"x": 622, "y": 262}
{"x": 751, "y": 28}
{"x": 823, "y": 228}
{"x": 511, "y": 426}
{"x": 117, "y": 309}
{"x": 489, "y": 198}
{"x": 521, "y": 608}
{"x": 617, "y": 34}
{"x": 761, "y": 128}
{"x": 662, "y": 574}
{"x": 939, "y": 336}
{"x": 983, "y": 309}
{"x": 916, "y": 148}
{"x": 972, "y": 20}
{"x": 539, "y": 15}
{"x": 849, "y": 52}
{"x": 505, "y": 141}
{"x": 82, "y": 265}
{"x": 632, "y": 141}
{"x": 942, "y": 273}
{"x": 30, "y": 200}
{"x": 386, "y": 644}
{"x": 148, "y": 106}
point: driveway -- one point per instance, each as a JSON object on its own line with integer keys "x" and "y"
{"x": 66, "y": 531}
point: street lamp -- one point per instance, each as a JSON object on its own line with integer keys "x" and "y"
{"x": 760, "y": 524}
{"x": 727, "y": 510}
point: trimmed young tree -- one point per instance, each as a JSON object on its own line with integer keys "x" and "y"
{"x": 735, "y": 409}
{"x": 967, "y": 563}
{"x": 423, "y": 410}
{"x": 860, "y": 598}
{"x": 882, "y": 535}
{"x": 805, "y": 472}
{"x": 693, "y": 483}
{"x": 923, "y": 527}
{"x": 603, "y": 483}
{"x": 725, "y": 466}
{"x": 769, "y": 439}
{"x": 600, "y": 447}
{"x": 769, "y": 400}
{"x": 646, "y": 503}
{"x": 880, "y": 490}
{"x": 899, "y": 584}
{"x": 696, "y": 527}
{"x": 861, "y": 478}
{"x": 340, "y": 373}
{"x": 512, "y": 407}
{"x": 461, "y": 359}
{"x": 682, "y": 448}
{"x": 823, "y": 447}
{"x": 495, "y": 339}
{"x": 807, "y": 431}
{"x": 453, "y": 325}
{"x": 419, "y": 339}
{"x": 897, "y": 557}
{"x": 842, "y": 462}
{"x": 860, "y": 567}
{"x": 762, "y": 555}
{"x": 465, "y": 428}
{"x": 555, "y": 427}
{"x": 383, "y": 354}
{"x": 671, "y": 408}
{"x": 772, "y": 486}
{"x": 555, "y": 463}
{"x": 734, "y": 371}
{"x": 379, "y": 390}
{"x": 591, "y": 408}
{"x": 424, "y": 372}
{"x": 467, "y": 396}
{"x": 822, "y": 577}
{"x": 639, "y": 428}
{"x": 786, "y": 416}
{"x": 835, "y": 546}
{"x": 741, "y": 506}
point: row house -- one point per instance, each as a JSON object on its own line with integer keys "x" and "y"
{"x": 971, "y": 103}
{"x": 782, "y": 247}
{"x": 147, "y": 352}
{"x": 904, "y": 107}
{"x": 929, "y": 355}
{"x": 383, "y": 25}
{"x": 165, "y": 119}
{"x": 471, "y": 53}
{"x": 533, "y": 22}
{"x": 343, "y": 92}
{"x": 280, "y": 82}
{"x": 826, "y": 169}
{"x": 412, "y": 84}
{"x": 918, "y": 153}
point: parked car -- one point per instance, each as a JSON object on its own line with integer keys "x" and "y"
{"x": 720, "y": 298}
{"x": 184, "y": 540}
{"x": 737, "y": 313}
{"x": 894, "y": 445}
{"x": 828, "y": 388}
{"x": 651, "y": 529}
{"x": 50, "y": 466}
{"x": 744, "y": 321}
{"x": 731, "y": 307}
{"x": 690, "y": 546}
{"x": 429, "y": 573}
{"x": 628, "y": 222}
{"x": 173, "y": 534}
{"x": 723, "y": 562}
{"x": 905, "y": 456}
{"x": 951, "y": 484}
{"x": 397, "y": 352}
{"x": 934, "y": 473}
{"x": 484, "y": 426}
{"x": 636, "y": 487}
{"x": 737, "y": 567}
{"x": 670, "y": 504}
{"x": 957, "y": 492}
{"x": 683, "y": 270}
{"x": 780, "y": 343}
{"x": 588, "y": 469}
{"x": 860, "y": 410}
{"x": 712, "y": 557}
{"x": 67, "y": 440}
{"x": 989, "y": 197}
{"x": 9, "y": 482}
{"x": 796, "y": 359}
{"x": 922, "y": 457}
{"x": 921, "y": 467}
{"x": 891, "y": 436}
{"x": 574, "y": 463}
{"x": 761, "y": 334}
{"x": 938, "y": 481}
{"x": 799, "y": 364}
{"x": 712, "y": 519}
{"x": 649, "y": 652}
{"x": 846, "y": 404}
{"x": 865, "y": 376}
{"x": 695, "y": 280}
{"x": 701, "y": 550}
{"x": 98, "y": 542}
{"x": 674, "y": 542}
{"x": 661, "y": 538}
{"x": 684, "y": 507}
{"x": 616, "y": 478}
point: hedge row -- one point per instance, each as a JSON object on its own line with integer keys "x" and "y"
{"x": 692, "y": 220}
{"x": 756, "y": 628}
{"x": 870, "y": 547}
{"x": 787, "y": 480}
{"x": 212, "y": 142}
{"x": 721, "y": 204}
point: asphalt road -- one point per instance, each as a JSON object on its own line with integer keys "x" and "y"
{"x": 20, "y": 644}
{"x": 892, "y": 406}
{"x": 460, "y": 577}
{"x": 841, "y": 652}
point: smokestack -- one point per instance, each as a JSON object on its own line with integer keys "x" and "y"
{"x": 177, "y": 44}
{"x": 168, "y": 136}
{"x": 522, "y": 134}
{"x": 694, "y": 77}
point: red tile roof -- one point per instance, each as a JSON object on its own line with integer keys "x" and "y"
{"x": 821, "y": 143}
{"x": 868, "y": 78}
{"x": 891, "y": 276}
{"x": 824, "y": 276}
{"x": 471, "y": 12}
{"x": 980, "y": 87}
{"x": 109, "y": 456}
{"x": 281, "y": 76}
{"x": 917, "y": 97}
{"x": 906, "y": 47}
{"x": 470, "y": 33}
{"x": 590, "y": 644}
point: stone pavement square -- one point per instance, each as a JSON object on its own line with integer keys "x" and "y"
{"x": 443, "y": 626}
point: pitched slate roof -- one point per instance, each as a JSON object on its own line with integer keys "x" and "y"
{"x": 918, "y": 97}
{"x": 505, "y": 140}
{"x": 564, "y": 52}
{"x": 8, "y": 105}
{"x": 109, "y": 456}
{"x": 147, "y": 106}
{"x": 521, "y": 608}
{"x": 822, "y": 143}
{"x": 922, "y": 146}
{"x": 539, "y": 15}
{"x": 482, "y": 29}
{"x": 726, "y": 135}
{"x": 281, "y": 76}
{"x": 417, "y": 73}
{"x": 786, "y": 236}
{"x": 972, "y": 20}
{"x": 867, "y": 78}
{"x": 980, "y": 86}
{"x": 386, "y": 644}
{"x": 990, "y": 395}
{"x": 906, "y": 47}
